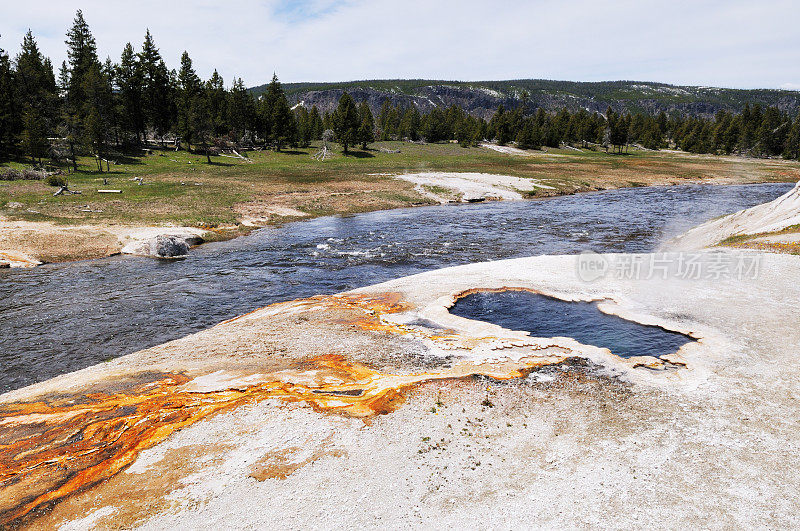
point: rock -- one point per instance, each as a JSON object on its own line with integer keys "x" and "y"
{"x": 192, "y": 240}
{"x": 13, "y": 258}
{"x": 482, "y": 100}
{"x": 163, "y": 245}
{"x": 170, "y": 246}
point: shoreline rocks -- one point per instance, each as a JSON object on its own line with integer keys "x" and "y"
{"x": 166, "y": 245}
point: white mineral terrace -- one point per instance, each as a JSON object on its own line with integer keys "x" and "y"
{"x": 463, "y": 187}
{"x": 769, "y": 217}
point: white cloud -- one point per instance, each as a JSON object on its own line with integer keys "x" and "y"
{"x": 734, "y": 43}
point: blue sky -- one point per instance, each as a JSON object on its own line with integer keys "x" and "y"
{"x": 721, "y": 43}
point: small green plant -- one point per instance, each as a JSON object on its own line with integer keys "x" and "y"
{"x": 56, "y": 180}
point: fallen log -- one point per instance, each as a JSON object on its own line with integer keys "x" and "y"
{"x": 236, "y": 155}
{"x": 567, "y": 146}
{"x": 65, "y": 190}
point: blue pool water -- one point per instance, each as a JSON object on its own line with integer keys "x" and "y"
{"x": 547, "y": 317}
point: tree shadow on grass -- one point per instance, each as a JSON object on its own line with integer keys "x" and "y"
{"x": 360, "y": 154}
{"x": 119, "y": 158}
{"x": 104, "y": 173}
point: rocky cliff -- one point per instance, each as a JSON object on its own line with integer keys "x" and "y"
{"x": 483, "y": 98}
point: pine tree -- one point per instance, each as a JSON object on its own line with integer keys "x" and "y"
{"x": 327, "y": 122}
{"x": 202, "y": 123}
{"x": 157, "y": 97}
{"x": 651, "y": 134}
{"x": 345, "y": 122}
{"x": 190, "y": 89}
{"x": 618, "y": 128}
{"x": 115, "y": 116}
{"x": 366, "y": 131}
{"x": 303, "y": 121}
{"x": 771, "y": 133}
{"x": 480, "y": 132}
{"x": 454, "y": 116}
{"x": 731, "y": 134}
{"x": 464, "y": 132}
{"x": 526, "y": 138}
{"x": 410, "y": 123}
{"x": 284, "y": 128}
{"x": 792, "y": 145}
{"x": 81, "y": 59}
{"x": 500, "y": 127}
{"x": 383, "y": 119}
{"x": 129, "y": 86}
{"x": 392, "y": 123}
{"x": 315, "y": 123}
{"x": 267, "y": 105}
{"x": 217, "y": 103}
{"x": 434, "y": 126}
{"x": 560, "y": 126}
{"x": 97, "y": 112}
{"x": 37, "y": 94}
{"x": 241, "y": 111}
{"x": 275, "y": 115}
{"x": 9, "y": 110}
{"x": 34, "y": 135}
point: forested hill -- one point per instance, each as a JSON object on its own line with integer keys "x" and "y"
{"x": 481, "y": 98}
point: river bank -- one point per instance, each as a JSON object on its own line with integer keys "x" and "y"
{"x": 226, "y": 199}
{"x": 31, "y": 243}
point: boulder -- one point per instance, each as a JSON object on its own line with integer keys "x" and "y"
{"x": 170, "y": 246}
{"x": 163, "y": 245}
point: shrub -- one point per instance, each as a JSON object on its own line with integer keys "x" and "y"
{"x": 56, "y": 180}
{"x": 10, "y": 174}
{"x": 32, "y": 175}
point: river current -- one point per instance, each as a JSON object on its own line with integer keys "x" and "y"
{"x": 62, "y": 317}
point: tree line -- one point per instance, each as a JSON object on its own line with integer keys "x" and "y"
{"x": 756, "y": 131}
{"x": 93, "y": 107}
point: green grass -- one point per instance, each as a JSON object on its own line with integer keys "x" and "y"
{"x": 179, "y": 187}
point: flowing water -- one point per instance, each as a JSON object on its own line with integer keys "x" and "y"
{"x": 583, "y": 321}
{"x": 62, "y": 317}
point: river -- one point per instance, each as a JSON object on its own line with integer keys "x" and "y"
{"x": 63, "y": 317}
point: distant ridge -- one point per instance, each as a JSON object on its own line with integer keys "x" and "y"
{"x": 482, "y": 98}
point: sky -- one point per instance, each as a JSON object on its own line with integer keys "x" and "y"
{"x": 733, "y": 43}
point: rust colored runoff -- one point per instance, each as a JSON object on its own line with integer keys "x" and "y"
{"x": 51, "y": 449}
